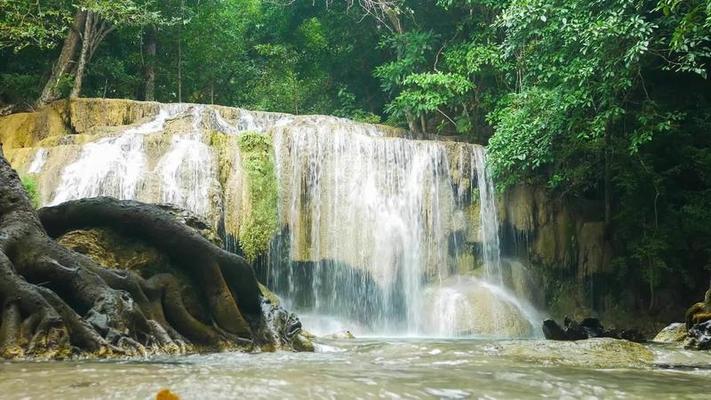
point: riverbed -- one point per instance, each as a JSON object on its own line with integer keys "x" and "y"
{"x": 390, "y": 368}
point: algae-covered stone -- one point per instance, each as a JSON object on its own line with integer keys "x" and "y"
{"x": 591, "y": 353}
{"x": 302, "y": 343}
{"x": 673, "y": 333}
{"x": 259, "y": 222}
{"x": 272, "y": 298}
{"x": 86, "y": 114}
{"x": 26, "y": 129}
{"x": 112, "y": 250}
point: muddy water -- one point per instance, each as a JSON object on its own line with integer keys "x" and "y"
{"x": 382, "y": 368}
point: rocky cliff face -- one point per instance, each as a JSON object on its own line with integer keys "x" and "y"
{"x": 563, "y": 243}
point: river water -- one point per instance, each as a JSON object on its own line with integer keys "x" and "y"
{"x": 383, "y": 368}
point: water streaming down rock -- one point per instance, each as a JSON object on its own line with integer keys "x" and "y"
{"x": 374, "y": 232}
{"x": 38, "y": 161}
{"x": 112, "y": 166}
{"x": 389, "y": 234}
{"x": 491, "y": 248}
{"x": 371, "y": 215}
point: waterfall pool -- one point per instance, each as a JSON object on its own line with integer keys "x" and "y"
{"x": 385, "y": 368}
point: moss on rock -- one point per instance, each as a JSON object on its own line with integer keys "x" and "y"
{"x": 114, "y": 251}
{"x": 591, "y": 353}
{"x": 222, "y": 144}
{"x": 26, "y": 129}
{"x": 260, "y": 214}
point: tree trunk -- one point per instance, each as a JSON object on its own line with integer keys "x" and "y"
{"x": 56, "y": 302}
{"x": 607, "y": 180}
{"x": 64, "y": 63}
{"x": 180, "y": 54}
{"x": 150, "y": 65}
{"x": 84, "y": 54}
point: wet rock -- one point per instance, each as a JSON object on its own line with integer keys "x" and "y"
{"x": 586, "y": 329}
{"x": 284, "y": 326}
{"x": 553, "y": 331}
{"x": 592, "y": 353}
{"x": 625, "y": 334}
{"x": 699, "y": 312}
{"x": 341, "y": 335}
{"x": 699, "y": 337}
{"x": 302, "y": 343}
{"x": 572, "y": 331}
{"x": 674, "y": 333}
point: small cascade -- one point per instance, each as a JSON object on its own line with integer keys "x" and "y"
{"x": 187, "y": 169}
{"x": 483, "y": 305}
{"x": 38, "y": 161}
{"x": 491, "y": 248}
{"x": 113, "y": 166}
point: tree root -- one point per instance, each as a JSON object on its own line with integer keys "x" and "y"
{"x": 57, "y": 303}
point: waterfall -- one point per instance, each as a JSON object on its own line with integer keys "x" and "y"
{"x": 374, "y": 232}
{"x": 370, "y": 216}
{"x": 491, "y": 247}
{"x": 378, "y": 232}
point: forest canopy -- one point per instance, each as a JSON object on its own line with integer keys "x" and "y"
{"x": 605, "y": 100}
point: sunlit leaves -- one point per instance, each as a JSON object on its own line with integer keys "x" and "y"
{"x": 26, "y": 23}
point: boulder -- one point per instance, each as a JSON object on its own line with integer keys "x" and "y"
{"x": 674, "y": 333}
{"x": 699, "y": 337}
{"x": 699, "y": 312}
{"x": 586, "y": 329}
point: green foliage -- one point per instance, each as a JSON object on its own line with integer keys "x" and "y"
{"x": 428, "y": 93}
{"x": 349, "y": 108}
{"x": 38, "y": 23}
{"x": 18, "y": 87}
{"x": 31, "y": 186}
{"x": 260, "y": 222}
{"x": 122, "y": 12}
{"x": 591, "y": 97}
{"x": 527, "y": 126}
{"x": 689, "y": 44}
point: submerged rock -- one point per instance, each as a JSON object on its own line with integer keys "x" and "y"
{"x": 341, "y": 335}
{"x": 674, "y": 333}
{"x": 593, "y": 353}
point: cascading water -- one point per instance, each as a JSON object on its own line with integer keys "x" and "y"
{"x": 491, "y": 248}
{"x": 113, "y": 166}
{"x": 378, "y": 233}
{"x": 374, "y": 233}
{"x": 368, "y": 215}
{"x": 38, "y": 161}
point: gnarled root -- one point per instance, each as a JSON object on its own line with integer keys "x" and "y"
{"x": 56, "y": 302}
